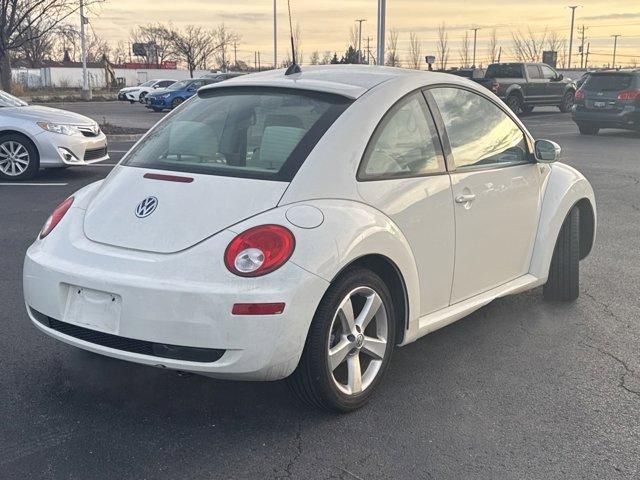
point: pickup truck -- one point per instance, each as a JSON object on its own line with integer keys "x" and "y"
{"x": 523, "y": 86}
{"x": 478, "y": 76}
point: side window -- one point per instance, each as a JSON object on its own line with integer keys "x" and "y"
{"x": 405, "y": 143}
{"x": 548, "y": 72}
{"x": 479, "y": 132}
{"x": 533, "y": 71}
{"x": 166, "y": 83}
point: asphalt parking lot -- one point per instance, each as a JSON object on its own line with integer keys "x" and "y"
{"x": 521, "y": 389}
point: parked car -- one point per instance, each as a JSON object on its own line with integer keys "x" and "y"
{"x": 524, "y": 86}
{"x": 137, "y": 94}
{"x": 175, "y": 94}
{"x": 304, "y": 226}
{"x": 478, "y": 76}
{"x": 33, "y": 137}
{"x": 608, "y": 99}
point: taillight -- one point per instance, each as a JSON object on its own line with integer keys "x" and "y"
{"x": 55, "y": 217}
{"x": 259, "y": 250}
{"x": 629, "y": 95}
{"x": 579, "y": 95}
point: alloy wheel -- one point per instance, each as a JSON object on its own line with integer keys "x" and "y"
{"x": 14, "y": 158}
{"x": 357, "y": 341}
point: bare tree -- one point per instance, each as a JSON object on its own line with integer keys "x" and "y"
{"x": 17, "y": 21}
{"x": 393, "y": 60}
{"x": 224, "y": 39}
{"x": 443, "y": 46}
{"x": 326, "y": 58}
{"x": 493, "y": 46}
{"x": 315, "y": 58}
{"x": 464, "y": 51}
{"x": 38, "y": 46}
{"x": 528, "y": 47}
{"x": 97, "y": 47}
{"x": 353, "y": 37}
{"x": 119, "y": 53}
{"x": 158, "y": 38}
{"x": 297, "y": 41}
{"x": 194, "y": 46}
{"x": 556, "y": 43}
{"x": 415, "y": 51}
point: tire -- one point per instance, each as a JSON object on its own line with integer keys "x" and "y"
{"x": 335, "y": 389}
{"x": 527, "y": 109}
{"x": 588, "y": 129}
{"x": 564, "y": 273}
{"x": 132, "y": 102}
{"x": 176, "y": 102}
{"x": 19, "y": 158}
{"x": 567, "y": 102}
{"x": 141, "y": 97}
{"x": 514, "y": 102}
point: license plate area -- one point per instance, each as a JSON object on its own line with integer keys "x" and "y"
{"x": 93, "y": 309}
{"x": 600, "y": 104}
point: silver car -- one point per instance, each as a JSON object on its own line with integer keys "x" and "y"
{"x": 33, "y": 137}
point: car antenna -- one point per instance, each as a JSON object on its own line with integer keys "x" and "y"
{"x": 294, "y": 67}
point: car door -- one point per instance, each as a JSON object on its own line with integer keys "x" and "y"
{"x": 403, "y": 174}
{"x": 555, "y": 88}
{"x": 536, "y": 85}
{"x": 496, "y": 188}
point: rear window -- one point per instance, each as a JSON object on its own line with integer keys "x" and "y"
{"x": 608, "y": 82}
{"x": 504, "y": 71}
{"x": 244, "y": 132}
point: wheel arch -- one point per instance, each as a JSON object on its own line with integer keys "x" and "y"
{"x": 26, "y": 136}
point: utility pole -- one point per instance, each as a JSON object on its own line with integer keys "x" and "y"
{"x": 586, "y": 57}
{"x": 368, "y": 50}
{"x": 499, "y": 53}
{"x": 615, "y": 47}
{"x": 275, "y": 36}
{"x": 360, "y": 20}
{"x": 259, "y": 66}
{"x": 255, "y": 60}
{"x": 573, "y": 15}
{"x": 582, "y": 29}
{"x": 86, "y": 91}
{"x": 475, "y": 38}
{"x": 381, "y": 31}
{"x": 235, "y": 54}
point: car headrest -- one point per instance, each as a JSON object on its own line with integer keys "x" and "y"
{"x": 192, "y": 138}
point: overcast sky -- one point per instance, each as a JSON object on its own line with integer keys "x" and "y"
{"x": 325, "y": 24}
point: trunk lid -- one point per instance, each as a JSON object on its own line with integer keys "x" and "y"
{"x": 182, "y": 214}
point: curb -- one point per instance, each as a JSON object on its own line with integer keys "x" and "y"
{"x": 124, "y": 137}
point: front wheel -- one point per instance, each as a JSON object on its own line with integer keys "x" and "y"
{"x": 142, "y": 97}
{"x": 588, "y": 129}
{"x": 176, "y": 102}
{"x": 514, "y": 102}
{"x": 567, "y": 102}
{"x": 156, "y": 109}
{"x": 349, "y": 344}
{"x": 18, "y": 157}
{"x": 564, "y": 273}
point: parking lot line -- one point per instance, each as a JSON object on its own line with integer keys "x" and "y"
{"x": 32, "y": 184}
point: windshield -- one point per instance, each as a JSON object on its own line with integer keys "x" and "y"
{"x": 147, "y": 84}
{"x": 7, "y": 100}
{"x": 240, "y": 132}
{"x": 504, "y": 71}
{"x": 179, "y": 85}
{"x": 608, "y": 82}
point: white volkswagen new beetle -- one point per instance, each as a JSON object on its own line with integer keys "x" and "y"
{"x": 302, "y": 226}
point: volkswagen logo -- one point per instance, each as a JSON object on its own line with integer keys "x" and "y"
{"x": 146, "y": 207}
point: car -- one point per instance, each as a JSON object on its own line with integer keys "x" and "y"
{"x": 608, "y": 99}
{"x": 478, "y": 76}
{"x": 524, "y": 86}
{"x": 34, "y": 137}
{"x": 301, "y": 226}
{"x": 138, "y": 94}
{"x": 175, "y": 94}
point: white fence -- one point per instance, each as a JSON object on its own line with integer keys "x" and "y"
{"x": 71, "y": 77}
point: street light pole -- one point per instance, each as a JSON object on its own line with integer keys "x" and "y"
{"x": 573, "y": 15}
{"x": 475, "y": 37}
{"x": 86, "y": 92}
{"x": 275, "y": 36}
{"x": 615, "y": 46}
{"x": 381, "y": 31}
{"x": 360, "y": 20}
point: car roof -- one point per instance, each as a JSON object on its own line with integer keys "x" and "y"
{"x": 348, "y": 80}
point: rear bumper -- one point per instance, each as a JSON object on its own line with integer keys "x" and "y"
{"x": 629, "y": 118}
{"x": 181, "y": 299}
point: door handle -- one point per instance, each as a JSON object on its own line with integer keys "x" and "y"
{"x": 466, "y": 198}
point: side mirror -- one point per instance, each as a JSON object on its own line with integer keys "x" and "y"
{"x": 155, "y": 86}
{"x": 547, "y": 151}
{"x": 560, "y": 77}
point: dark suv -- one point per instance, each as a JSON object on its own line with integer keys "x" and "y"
{"x": 609, "y": 99}
{"x": 523, "y": 86}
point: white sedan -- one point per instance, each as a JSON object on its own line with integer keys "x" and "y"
{"x": 138, "y": 94}
{"x": 302, "y": 226}
{"x": 33, "y": 137}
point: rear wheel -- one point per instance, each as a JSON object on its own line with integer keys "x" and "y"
{"x": 567, "y": 102}
{"x": 349, "y": 344}
{"x": 564, "y": 273}
{"x": 527, "y": 109}
{"x": 19, "y": 158}
{"x": 156, "y": 109}
{"x": 514, "y": 102}
{"x": 588, "y": 129}
{"x": 142, "y": 96}
{"x": 176, "y": 102}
